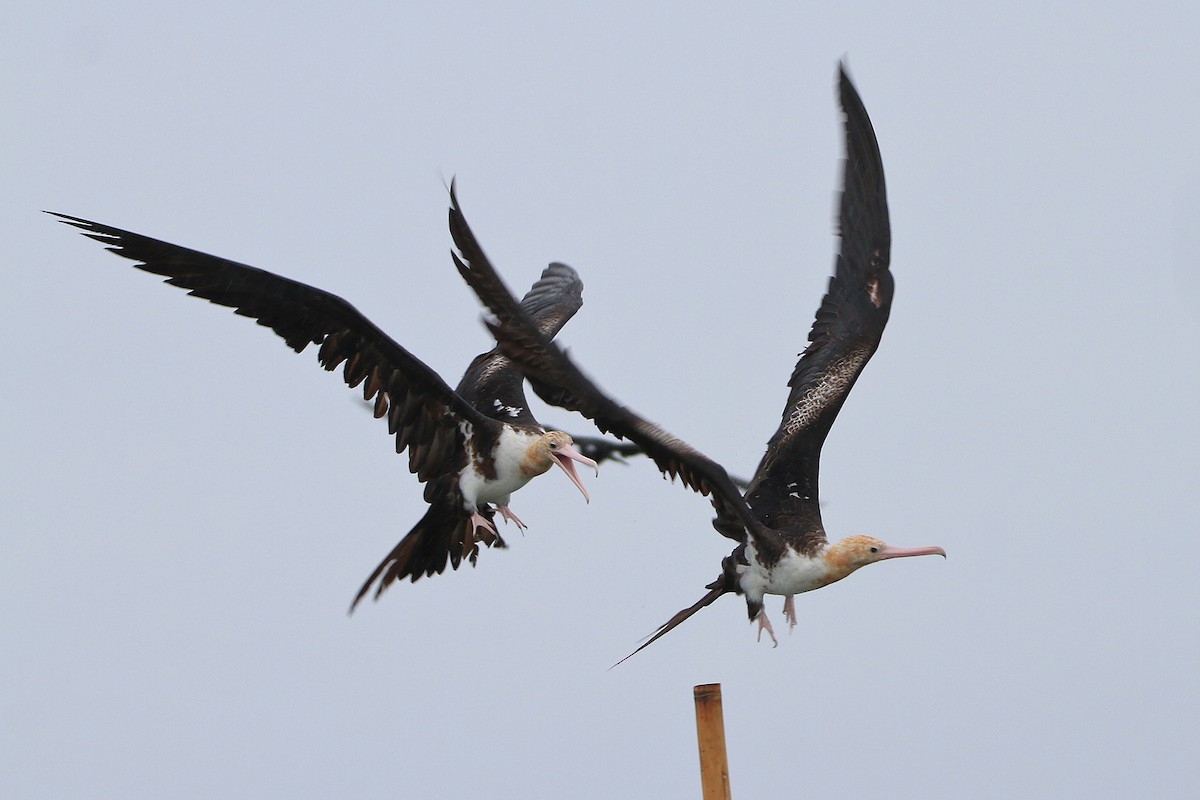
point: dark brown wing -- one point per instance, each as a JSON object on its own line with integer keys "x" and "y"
{"x": 845, "y": 334}
{"x": 422, "y": 411}
{"x": 601, "y": 449}
{"x": 491, "y": 384}
{"x": 554, "y": 299}
{"x": 558, "y": 381}
{"x": 550, "y": 303}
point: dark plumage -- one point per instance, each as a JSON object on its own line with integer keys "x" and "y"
{"x": 782, "y": 547}
{"x": 472, "y": 446}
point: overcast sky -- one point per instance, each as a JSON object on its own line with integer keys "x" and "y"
{"x": 189, "y": 507}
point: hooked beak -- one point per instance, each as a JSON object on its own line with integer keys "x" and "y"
{"x": 563, "y": 457}
{"x": 904, "y": 552}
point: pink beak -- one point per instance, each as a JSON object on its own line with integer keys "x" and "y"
{"x": 904, "y": 552}
{"x": 563, "y": 457}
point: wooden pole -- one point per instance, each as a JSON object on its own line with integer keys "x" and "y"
{"x": 710, "y": 733}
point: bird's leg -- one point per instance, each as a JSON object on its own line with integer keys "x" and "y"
{"x": 789, "y": 611}
{"x": 480, "y": 521}
{"x": 507, "y": 513}
{"x": 764, "y": 624}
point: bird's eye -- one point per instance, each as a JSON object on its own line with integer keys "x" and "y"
{"x": 874, "y": 549}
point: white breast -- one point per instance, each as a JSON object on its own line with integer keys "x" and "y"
{"x": 510, "y": 452}
{"x": 792, "y": 574}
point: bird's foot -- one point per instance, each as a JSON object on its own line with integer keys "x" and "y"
{"x": 764, "y": 624}
{"x": 507, "y": 513}
{"x": 789, "y": 611}
{"x": 480, "y": 521}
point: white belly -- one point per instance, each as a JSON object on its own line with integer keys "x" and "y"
{"x": 510, "y": 454}
{"x": 792, "y": 574}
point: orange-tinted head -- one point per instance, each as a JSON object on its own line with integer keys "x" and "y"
{"x": 556, "y": 447}
{"x": 857, "y": 551}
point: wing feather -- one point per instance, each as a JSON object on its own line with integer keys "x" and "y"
{"x": 844, "y": 335}
{"x": 423, "y": 411}
{"x": 491, "y": 384}
{"x": 559, "y": 382}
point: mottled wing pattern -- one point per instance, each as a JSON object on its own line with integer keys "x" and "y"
{"x": 846, "y": 333}
{"x": 420, "y": 408}
{"x": 491, "y": 383}
{"x": 559, "y": 382}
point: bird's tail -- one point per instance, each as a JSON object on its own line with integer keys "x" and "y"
{"x": 720, "y": 586}
{"x": 443, "y": 534}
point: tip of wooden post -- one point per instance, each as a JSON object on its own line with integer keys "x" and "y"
{"x": 710, "y": 735}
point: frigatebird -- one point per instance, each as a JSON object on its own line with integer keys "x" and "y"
{"x": 471, "y": 447}
{"x": 598, "y": 448}
{"x": 782, "y": 548}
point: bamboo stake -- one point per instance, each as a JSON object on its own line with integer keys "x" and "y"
{"x": 710, "y": 733}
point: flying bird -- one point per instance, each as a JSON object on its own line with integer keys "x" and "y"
{"x": 472, "y": 447}
{"x": 782, "y": 548}
{"x": 597, "y": 448}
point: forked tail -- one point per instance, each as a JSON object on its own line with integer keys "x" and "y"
{"x": 717, "y": 588}
{"x": 443, "y": 534}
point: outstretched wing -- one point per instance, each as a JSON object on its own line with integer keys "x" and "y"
{"x": 601, "y": 449}
{"x": 491, "y": 384}
{"x": 846, "y": 333}
{"x": 559, "y": 382}
{"x": 422, "y": 411}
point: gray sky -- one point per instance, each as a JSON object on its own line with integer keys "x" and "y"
{"x": 189, "y": 507}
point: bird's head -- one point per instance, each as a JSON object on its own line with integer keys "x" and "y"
{"x": 557, "y": 448}
{"x": 857, "y": 551}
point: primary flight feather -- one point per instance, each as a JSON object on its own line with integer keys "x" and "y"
{"x": 472, "y": 446}
{"x": 782, "y": 547}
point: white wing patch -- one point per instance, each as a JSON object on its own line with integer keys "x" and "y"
{"x": 512, "y": 411}
{"x": 833, "y": 384}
